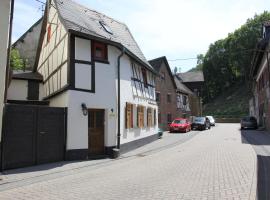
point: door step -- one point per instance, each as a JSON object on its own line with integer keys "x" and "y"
{"x": 97, "y": 157}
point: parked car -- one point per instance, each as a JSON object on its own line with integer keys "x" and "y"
{"x": 201, "y": 123}
{"x": 212, "y": 120}
{"x": 249, "y": 122}
{"x": 180, "y": 125}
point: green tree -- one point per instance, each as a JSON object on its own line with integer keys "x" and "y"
{"x": 16, "y": 62}
{"x": 228, "y": 60}
{"x": 175, "y": 70}
{"x": 199, "y": 65}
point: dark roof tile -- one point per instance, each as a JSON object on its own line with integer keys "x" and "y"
{"x": 191, "y": 76}
{"x": 181, "y": 87}
{"x": 79, "y": 18}
{"x": 27, "y": 75}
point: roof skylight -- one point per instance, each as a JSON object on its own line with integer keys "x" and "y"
{"x": 106, "y": 27}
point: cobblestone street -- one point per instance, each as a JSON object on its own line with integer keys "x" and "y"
{"x": 214, "y": 164}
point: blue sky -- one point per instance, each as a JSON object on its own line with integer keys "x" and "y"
{"x": 171, "y": 28}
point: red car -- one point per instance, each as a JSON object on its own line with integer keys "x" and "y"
{"x": 180, "y": 125}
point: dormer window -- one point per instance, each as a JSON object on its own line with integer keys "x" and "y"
{"x": 100, "y": 51}
{"x": 106, "y": 27}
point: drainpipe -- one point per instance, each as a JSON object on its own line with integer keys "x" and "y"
{"x": 268, "y": 66}
{"x": 118, "y": 96}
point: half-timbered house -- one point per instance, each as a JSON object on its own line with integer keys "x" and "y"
{"x": 187, "y": 100}
{"x": 92, "y": 65}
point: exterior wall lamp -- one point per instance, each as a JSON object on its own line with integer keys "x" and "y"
{"x": 84, "y": 109}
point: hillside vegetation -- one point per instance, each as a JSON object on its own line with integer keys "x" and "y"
{"x": 227, "y": 61}
{"x": 232, "y": 103}
{"x": 226, "y": 69}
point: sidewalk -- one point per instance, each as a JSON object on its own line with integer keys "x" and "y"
{"x": 29, "y": 175}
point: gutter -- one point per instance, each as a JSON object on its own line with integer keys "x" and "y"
{"x": 118, "y": 98}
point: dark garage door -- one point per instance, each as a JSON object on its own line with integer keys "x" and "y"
{"x": 32, "y": 135}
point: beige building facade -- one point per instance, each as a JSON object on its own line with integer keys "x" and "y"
{"x": 4, "y": 30}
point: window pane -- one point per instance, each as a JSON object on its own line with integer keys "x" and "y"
{"x": 169, "y": 118}
{"x": 98, "y": 52}
{"x": 144, "y": 77}
{"x": 158, "y": 97}
{"x": 168, "y": 98}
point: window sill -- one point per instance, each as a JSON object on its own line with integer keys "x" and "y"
{"x": 101, "y": 61}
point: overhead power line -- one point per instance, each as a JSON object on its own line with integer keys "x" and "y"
{"x": 183, "y": 59}
{"x": 41, "y": 2}
{"x": 227, "y": 52}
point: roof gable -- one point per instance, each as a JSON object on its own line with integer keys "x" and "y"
{"x": 157, "y": 63}
{"x": 84, "y": 20}
{"x": 21, "y": 38}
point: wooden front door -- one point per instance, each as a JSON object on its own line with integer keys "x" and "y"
{"x": 96, "y": 132}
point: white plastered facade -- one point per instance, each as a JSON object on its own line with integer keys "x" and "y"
{"x": 101, "y": 95}
{"x": 4, "y": 28}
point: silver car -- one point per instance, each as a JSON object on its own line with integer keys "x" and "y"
{"x": 212, "y": 120}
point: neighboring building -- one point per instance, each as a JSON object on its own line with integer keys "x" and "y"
{"x": 193, "y": 80}
{"x": 173, "y": 101}
{"x": 27, "y": 45}
{"x": 25, "y": 86}
{"x": 5, "y": 7}
{"x": 78, "y": 56}
{"x": 187, "y": 101}
{"x": 260, "y": 72}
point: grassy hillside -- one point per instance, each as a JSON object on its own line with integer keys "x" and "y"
{"x": 232, "y": 103}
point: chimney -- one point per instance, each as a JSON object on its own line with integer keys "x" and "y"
{"x": 266, "y": 30}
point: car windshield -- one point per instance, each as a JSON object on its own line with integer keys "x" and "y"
{"x": 249, "y": 119}
{"x": 199, "y": 119}
{"x": 179, "y": 121}
{"x": 252, "y": 119}
{"x": 210, "y": 118}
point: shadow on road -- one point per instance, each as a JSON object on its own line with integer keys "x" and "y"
{"x": 255, "y": 137}
{"x": 259, "y": 140}
{"x": 37, "y": 168}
